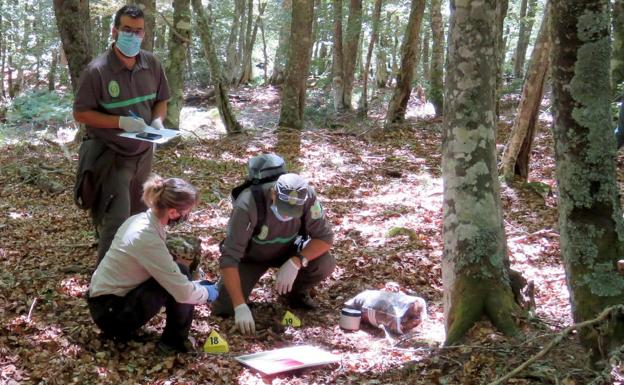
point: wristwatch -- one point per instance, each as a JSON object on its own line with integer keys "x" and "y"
{"x": 304, "y": 260}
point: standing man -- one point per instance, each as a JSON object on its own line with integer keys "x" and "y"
{"x": 292, "y": 209}
{"x": 120, "y": 90}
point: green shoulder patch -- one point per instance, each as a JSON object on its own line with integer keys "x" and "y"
{"x": 113, "y": 88}
{"x": 264, "y": 231}
{"x": 316, "y": 211}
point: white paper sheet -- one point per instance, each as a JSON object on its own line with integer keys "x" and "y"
{"x": 165, "y": 135}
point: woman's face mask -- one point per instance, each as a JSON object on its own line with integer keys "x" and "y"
{"x": 277, "y": 214}
{"x": 129, "y": 43}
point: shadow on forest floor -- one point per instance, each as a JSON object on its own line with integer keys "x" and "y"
{"x": 369, "y": 183}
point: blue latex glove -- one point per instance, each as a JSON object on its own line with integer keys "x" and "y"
{"x": 213, "y": 292}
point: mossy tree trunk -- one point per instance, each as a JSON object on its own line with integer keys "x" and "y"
{"x": 500, "y": 53}
{"x": 72, "y": 20}
{"x": 409, "y": 56}
{"x": 617, "y": 57}
{"x": 105, "y": 32}
{"x": 178, "y": 48}
{"x": 298, "y": 67}
{"x": 149, "y": 12}
{"x": 337, "y": 57}
{"x": 363, "y": 108}
{"x": 516, "y": 156}
{"x": 281, "y": 54}
{"x": 527, "y": 19}
{"x": 590, "y": 216}
{"x": 474, "y": 265}
{"x": 220, "y": 83}
{"x": 350, "y": 50}
{"x": 436, "y": 90}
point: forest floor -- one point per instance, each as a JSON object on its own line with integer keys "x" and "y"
{"x": 383, "y": 195}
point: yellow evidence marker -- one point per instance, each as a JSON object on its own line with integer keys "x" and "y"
{"x": 291, "y": 320}
{"x": 216, "y": 344}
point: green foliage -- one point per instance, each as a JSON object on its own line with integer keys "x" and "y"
{"x": 40, "y": 108}
{"x": 513, "y": 87}
{"x": 604, "y": 281}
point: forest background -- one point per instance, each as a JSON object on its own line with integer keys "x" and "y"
{"x": 402, "y": 114}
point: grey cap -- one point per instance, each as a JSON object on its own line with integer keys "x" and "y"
{"x": 292, "y": 193}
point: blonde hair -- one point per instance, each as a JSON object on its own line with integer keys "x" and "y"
{"x": 160, "y": 194}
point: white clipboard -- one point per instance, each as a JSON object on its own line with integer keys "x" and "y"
{"x": 287, "y": 359}
{"x": 165, "y": 135}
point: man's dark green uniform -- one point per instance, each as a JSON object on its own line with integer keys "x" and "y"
{"x": 254, "y": 254}
{"x": 116, "y": 167}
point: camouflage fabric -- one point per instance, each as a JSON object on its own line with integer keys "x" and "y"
{"x": 185, "y": 249}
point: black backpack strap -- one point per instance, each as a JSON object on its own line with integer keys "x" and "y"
{"x": 258, "y": 196}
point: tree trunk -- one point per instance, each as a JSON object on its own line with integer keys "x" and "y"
{"x": 425, "y": 56}
{"x": 527, "y": 18}
{"x": 381, "y": 66}
{"x": 590, "y": 216}
{"x": 234, "y": 43}
{"x": 350, "y": 50}
{"x": 371, "y": 45}
{"x": 72, "y": 20}
{"x": 474, "y": 265}
{"x": 149, "y": 12}
{"x": 247, "y": 47}
{"x": 523, "y": 130}
{"x": 264, "y": 53}
{"x": 409, "y": 50}
{"x": 105, "y": 33}
{"x": 281, "y": 54}
{"x": 52, "y": 72}
{"x": 246, "y": 76}
{"x": 337, "y": 58}
{"x": 223, "y": 103}
{"x": 500, "y": 53}
{"x": 178, "y": 47}
{"x": 617, "y": 56}
{"x": 436, "y": 90}
{"x": 294, "y": 92}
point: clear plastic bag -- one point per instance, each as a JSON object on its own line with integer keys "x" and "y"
{"x": 397, "y": 312}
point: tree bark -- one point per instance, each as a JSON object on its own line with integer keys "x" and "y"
{"x": 424, "y": 56}
{"x": 436, "y": 91}
{"x": 294, "y": 92}
{"x": 178, "y": 47}
{"x": 527, "y": 19}
{"x": 523, "y": 130}
{"x": 247, "y": 70}
{"x": 590, "y": 216}
{"x": 337, "y": 58}
{"x": 617, "y": 56}
{"x": 369, "y": 54}
{"x": 105, "y": 33}
{"x": 234, "y": 43}
{"x": 475, "y": 262}
{"x": 281, "y": 54}
{"x": 149, "y": 13}
{"x": 409, "y": 50}
{"x": 220, "y": 83}
{"x": 264, "y": 53}
{"x": 350, "y": 50}
{"x": 500, "y": 53}
{"x": 52, "y": 71}
{"x": 72, "y": 20}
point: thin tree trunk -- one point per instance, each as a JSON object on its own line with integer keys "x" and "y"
{"x": 436, "y": 90}
{"x": 149, "y": 13}
{"x": 350, "y": 50}
{"x": 526, "y": 27}
{"x": 381, "y": 66}
{"x": 294, "y": 92}
{"x": 264, "y": 52}
{"x": 52, "y": 72}
{"x": 234, "y": 42}
{"x": 409, "y": 50}
{"x": 425, "y": 56}
{"x": 105, "y": 33}
{"x": 178, "y": 47}
{"x": 474, "y": 264}
{"x": 369, "y": 54}
{"x": 72, "y": 20}
{"x": 245, "y": 70}
{"x": 281, "y": 54}
{"x": 617, "y": 56}
{"x": 504, "y": 6}
{"x": 590, "y": 216}
{"x": 246, "y": 76}
{"x": 337, "y": 58}
{"x": 223, "y": 104}
{"x": 523, "y": 130}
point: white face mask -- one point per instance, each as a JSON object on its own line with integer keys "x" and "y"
{"x": 278, "y": 215}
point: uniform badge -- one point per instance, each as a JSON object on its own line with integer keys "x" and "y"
{"x": 316, "y": 211}
{"x": 264, "y": 231}
{"x": 113, "y": 88}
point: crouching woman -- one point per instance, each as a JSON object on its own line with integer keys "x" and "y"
{"x": 138, "y": 276}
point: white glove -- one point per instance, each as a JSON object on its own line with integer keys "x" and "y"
{"x": 158, "y": 124}
{"x": 244, "y": 319}
{"x": 130, "y": 124}
{"x": 286, "y": 276}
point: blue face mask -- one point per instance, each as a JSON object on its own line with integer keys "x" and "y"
{"x": 278, "y": 216}
{"x": 128, "y": 43}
